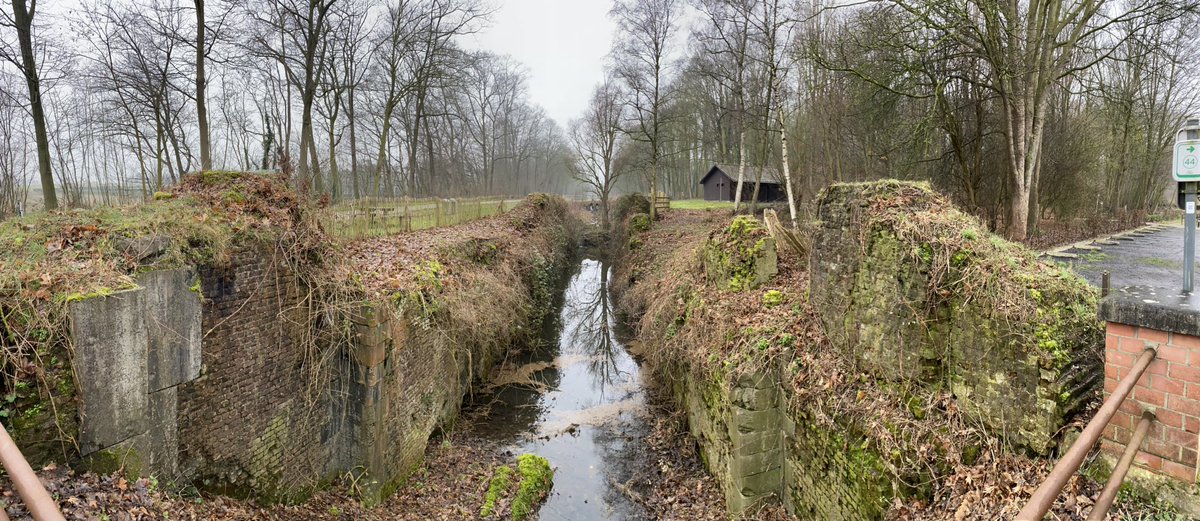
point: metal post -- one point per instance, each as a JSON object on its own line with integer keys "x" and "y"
{"x": 1043, "y": 497}
{"x": 39, "y": 503}
{"x": 1105, "y": 283}
{"x": 1109, "y": 494}
{"x": 1189, "y": 236}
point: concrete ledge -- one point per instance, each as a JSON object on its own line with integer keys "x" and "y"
{"x": 1161, "y": 309}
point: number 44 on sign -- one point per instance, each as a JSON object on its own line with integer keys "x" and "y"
{"x": 1187, "y": 160}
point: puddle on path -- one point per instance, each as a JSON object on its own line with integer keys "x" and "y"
{"x": 577, "y": 400}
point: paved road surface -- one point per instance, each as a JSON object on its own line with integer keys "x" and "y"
{"x": 1149, "y": 256}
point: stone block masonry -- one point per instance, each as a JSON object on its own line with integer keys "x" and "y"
{"x": 237, "y": 379}
{"x": 1139, "y": 318}
{"x": 224, "y": 392}
{"x": 909, "y": 305}
{"x": 131, "y": 349}
{"x": 742, "y": 430}
{"x": 895, "y": 275}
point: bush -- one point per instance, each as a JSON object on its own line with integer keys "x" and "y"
{"x": 629, "y": 204}
{"x": 639, "y": 223}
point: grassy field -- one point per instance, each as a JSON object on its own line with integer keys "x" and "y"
{"x": 700, "y": 204}
{"x": 379, "y": 217}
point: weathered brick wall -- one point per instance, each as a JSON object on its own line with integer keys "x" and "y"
{"x": 275, "y": 413}
{"x": 830, "y": 476}
{"x": 407, "y": 381}
{"x": 251, "y": 423}
{"x": 261, "y": 420}
{"x": 1170, "y": 388}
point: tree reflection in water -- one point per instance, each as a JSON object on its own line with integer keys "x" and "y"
{"x": 589, "y": 327}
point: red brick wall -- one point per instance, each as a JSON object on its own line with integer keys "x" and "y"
{"x": 1170, "y": 388}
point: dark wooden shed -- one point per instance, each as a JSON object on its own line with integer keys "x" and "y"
{"x": 720, "y": 183}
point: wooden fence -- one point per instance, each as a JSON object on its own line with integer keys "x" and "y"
{"x": 376, "y": 217}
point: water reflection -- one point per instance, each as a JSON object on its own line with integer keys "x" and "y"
{"x": 592, "y": 328}
{"x": 582, "y": 405}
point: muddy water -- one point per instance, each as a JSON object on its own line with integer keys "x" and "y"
{"x": 577, "y": 400}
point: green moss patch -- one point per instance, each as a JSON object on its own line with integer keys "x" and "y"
{"x": 639, "y": 223}
{"x": 518, "y": 492}
{"x": 741, "y": 256}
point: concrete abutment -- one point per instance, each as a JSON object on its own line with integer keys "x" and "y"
{"x": 236, "y": 376}
{"x": 885, "y": 282}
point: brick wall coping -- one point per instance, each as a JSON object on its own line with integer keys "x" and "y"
{"x": 1161, "y": 309}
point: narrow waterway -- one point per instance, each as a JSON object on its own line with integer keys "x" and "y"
{"x": 576, "y": 399}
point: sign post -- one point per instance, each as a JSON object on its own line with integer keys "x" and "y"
{"x": 1185, "y": 168}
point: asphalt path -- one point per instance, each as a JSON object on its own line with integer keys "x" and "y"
{"x": 1148, "y": 256}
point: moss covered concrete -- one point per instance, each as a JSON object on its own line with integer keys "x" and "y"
{"x": 741, "y": 256}
{"x": 918, "y": 292}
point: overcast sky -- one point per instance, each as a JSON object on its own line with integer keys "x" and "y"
{"x": 563, "y": 44}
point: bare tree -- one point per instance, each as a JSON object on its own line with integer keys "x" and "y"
{"x": 726, "y": 39}
{"x": 21, "y": 21}
{"x": 1029, "y": 48}
{"x": 641, "y": 54}
{"x": 201, "y": 104}
{"x": 594, "y": 137}
{"x": 294, "y": 34}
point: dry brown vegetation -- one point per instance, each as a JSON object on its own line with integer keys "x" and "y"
{"x": 948, "y": 466}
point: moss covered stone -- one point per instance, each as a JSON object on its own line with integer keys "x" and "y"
{"x": 497, "y": 489}
{"x": 630, "y": 204}
{"x": 536, "y": 480}
{"x": 917, "y": 292}
{"x": 741, "y": 256}
{"x": 523, "y": 489}
{"x": 639, "y": 223}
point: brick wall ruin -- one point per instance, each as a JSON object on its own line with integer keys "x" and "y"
{"x": 234, "y": 378}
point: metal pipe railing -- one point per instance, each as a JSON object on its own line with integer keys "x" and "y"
{"x": 1043, "y": 497}
{"x": 39, "y": 503}
{"x": 1105, "y": 501}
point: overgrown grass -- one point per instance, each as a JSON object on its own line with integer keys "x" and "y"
{"x": 1170, "y": 264}
{"x": 377, "y": 218}
{"x": 700, "y": 204}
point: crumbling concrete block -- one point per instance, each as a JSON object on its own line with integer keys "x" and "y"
{"x": 173, "y": 329}
{"x": 109, "y": 338}
{"x": 917, "y": 291}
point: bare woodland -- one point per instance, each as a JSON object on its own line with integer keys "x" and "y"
{"x": 1018, "y": 109}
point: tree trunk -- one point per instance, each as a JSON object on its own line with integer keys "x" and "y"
{"x": 737, "y": 195}
{"x": 381, "y": 157}
{"x": 1035, "y": 207}
{"x": 334, "y": 181}
{"x": 654, "y": 181}
{"x": 353, "y": 142}
{"x": 787, "y": 170}
{"x": 23, "y": 19}
{"x": 201, "y": 105}
{"x": 318, "y": 179}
